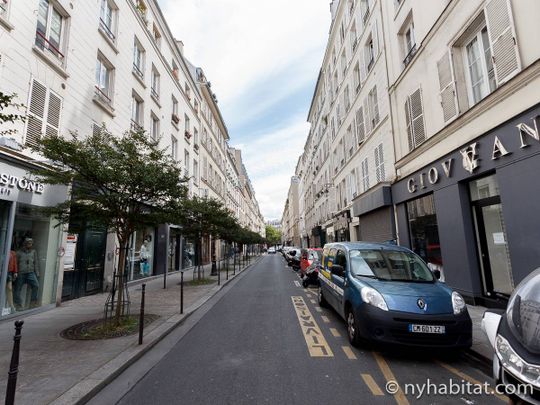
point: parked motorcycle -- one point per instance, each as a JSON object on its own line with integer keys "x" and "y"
{"x": 514, "y": 334}
{"x": 311, "y": 276}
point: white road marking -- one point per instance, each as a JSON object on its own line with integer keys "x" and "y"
{"x": 296, "y": 283}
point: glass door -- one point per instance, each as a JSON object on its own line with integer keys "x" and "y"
{"x": 491, "y": 237}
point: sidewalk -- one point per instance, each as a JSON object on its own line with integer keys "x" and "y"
{"x": 64, "y": 371}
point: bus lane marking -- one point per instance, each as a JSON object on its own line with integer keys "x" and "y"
{"x": 349, "y": 353}
{"x": 315, "y": 341}
{"x": 399, "y": 396}
{"x": 372, "y": 385}
{"x": 335, "y": 332}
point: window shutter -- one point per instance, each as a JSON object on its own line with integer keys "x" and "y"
{"x": 360, "y": 129}
{"x": 417, "y": 117}
{"x": 503, "y": 40}
{"x": 362, "y": 62}
{"x": 36, "y": 113}
{"x": 367, "y": 118}
{"x": 374, "y": 106}
{"x": 53, "y": 114}
{"x": 375, "y": 37}
{"x": 377, "y": 163}
{"x": 447, "y": 87}
{"x": 410, "y": 137}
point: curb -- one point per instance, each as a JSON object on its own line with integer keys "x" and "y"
{"x": 89, "y": 386}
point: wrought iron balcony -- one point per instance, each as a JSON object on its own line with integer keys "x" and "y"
{"x": 409, "y": 56}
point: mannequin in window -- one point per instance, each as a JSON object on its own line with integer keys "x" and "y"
{"x": 11, "y": 279}
{"x": 28, "y": 269}
{"x": 145, "y": 256}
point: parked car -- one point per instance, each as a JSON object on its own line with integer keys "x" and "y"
{"x": 387, "y": 294}
{"x": 272, "y": 249}
{"x": 309, "y": 256}
{"x": 514, "y": 335}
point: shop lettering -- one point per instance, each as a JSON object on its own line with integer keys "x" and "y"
{"x": 470, "y": 157}
{"x": 9, "y": 181}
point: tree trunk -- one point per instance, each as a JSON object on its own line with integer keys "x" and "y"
{"x": 121, "y": 285}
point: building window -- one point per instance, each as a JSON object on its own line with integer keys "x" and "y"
{"x": 364, "y": 10}
{"x": 51, "y": 27}
{"x": 187, "y": 90}
{"x": 346, "y": 99}
{"x": 479, "y": 67}
{"x": 156, "y": 35}
{"x": 136, "y": 112}
{"x": 379, "y": 163}
{"x": 4, "y": 7}
{"x": 365, "y": 174}
{"x": 354, "y": 38}
{"x": 409, "y": 44}
{"x": 356, "y": 77}
{"x": 360, "y": 128}
{"x": 414, "y": 115}
{"x": 196, "y": 138}
{"x": 175, "y": 117}
{"x": 141, "y": 8}
{"x": 186, "y": 163}
{"x": 155, "y": 127}
{"x": 187, "y": 126}
{"x": 174, "y": 147}
{"x": 374, "y": 107}
{"x": 107, "y": 18}
{"x": 195, "y": 171}
{"x": 155, "y": 79}
{"x": 104, "y": 80}
{"x": 369, "y": 54}
{"x": 44, "y": 109}
{"x": 343, "y": 63}
{"x": 138, "y": 59}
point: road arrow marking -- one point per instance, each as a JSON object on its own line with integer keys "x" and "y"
{"x": 315, "y": 341}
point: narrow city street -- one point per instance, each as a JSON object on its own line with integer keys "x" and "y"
{"x": 250, "y": 348}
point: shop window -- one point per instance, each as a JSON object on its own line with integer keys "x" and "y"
{"x": 141, "y": 254}
{"x": 424, "y": 232}
{"x": 32, "y": 265}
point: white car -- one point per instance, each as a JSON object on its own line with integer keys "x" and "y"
{"x": 272, "y": 249}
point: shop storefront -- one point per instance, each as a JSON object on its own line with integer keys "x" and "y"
{"x": 375, "y": 215}
{"x": 317, "y": 237}
{"x": 341, "y": 227}
{"x": 141, "y": 257}
{"x": 473, "y": 214}
{"x": 30, "y": 242}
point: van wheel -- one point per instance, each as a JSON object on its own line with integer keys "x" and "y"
{"x": 353, "y": 331}
{"x": 322, "y": 301}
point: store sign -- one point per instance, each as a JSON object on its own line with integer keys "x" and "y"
{"x": 9, "y": 182}
{"x": 469, "y": 157}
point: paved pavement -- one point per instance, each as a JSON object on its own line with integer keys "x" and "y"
{"x": 56, "y": 369}
{"x": 249, "y": 348}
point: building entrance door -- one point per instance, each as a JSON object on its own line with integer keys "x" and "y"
{"x": 491, "y": 238}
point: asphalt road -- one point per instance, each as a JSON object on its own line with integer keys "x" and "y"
{"x": 249, "y": 348}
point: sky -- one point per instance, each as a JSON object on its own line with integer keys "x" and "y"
{"x": 262, "y": 58}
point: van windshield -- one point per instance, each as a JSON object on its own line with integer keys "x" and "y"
{"x": 389, "y": 265}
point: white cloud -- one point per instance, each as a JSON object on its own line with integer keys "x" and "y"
{"x": 257, "y": 54}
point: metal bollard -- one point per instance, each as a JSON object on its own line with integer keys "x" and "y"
{"x": 141, "y": 315}
{"x": 14, "y": 365}
{"x": 182, "y": 292}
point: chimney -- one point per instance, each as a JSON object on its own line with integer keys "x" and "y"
{"x": 180, "y": 46}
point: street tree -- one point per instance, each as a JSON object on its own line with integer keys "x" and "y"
{"x": 121, "y": 183}
{"x": 273, "y": 235}
{"x": 9, "y": 112}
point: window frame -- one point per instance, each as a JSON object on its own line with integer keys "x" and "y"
{"x": 103, "y": 62}
{"x": 109, "y": 31}
{"x": 58, "y": 52}
{"x": 138, "y": 70}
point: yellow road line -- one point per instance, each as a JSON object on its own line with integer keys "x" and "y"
{"x": 349, "y": 353}
{"x": 318, "y": 309}
{"x": 372, "y": 385}
{"x": 315, "y": 341}
{"x": 399, "y": 396}
{"x": 335, "y": 332}
{"x": 467, "y": 377}
{"x": 325, "y": 319}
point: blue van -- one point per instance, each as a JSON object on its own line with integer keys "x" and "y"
{"x": 387, "y": 294}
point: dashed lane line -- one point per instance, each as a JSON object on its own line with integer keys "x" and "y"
{"x": 467, "y": 377}
{"x": 335, "y": 332}
{"x": 315, "y": 341}
{"x": 325, "y": 319}
{"x": 313, "y": 301}
{"x": 372, "y": 385}
{"x": 399, "y": 396}
{"x": 296, "y": 283}
{"x": 349, "y": 353}
{"x": 318, "y": 309}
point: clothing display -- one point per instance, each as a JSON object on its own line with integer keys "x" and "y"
{"x": 28, "y": 273}
{"x": 11, "y": 278}
{"x": 145, "y": 256}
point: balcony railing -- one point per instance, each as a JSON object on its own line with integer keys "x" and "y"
{"x": 106, "y": 29}
{"x": 102, "y": 96}
{"x": 409, "y": 56}
{"x": 44, "y": 44}
{"x": 175, "y": 118}
{"x": 137, "y": 70}
{"x": 135, "y": 126}
{"x": 3, "y": 8}
{"x": 154, "y": 93}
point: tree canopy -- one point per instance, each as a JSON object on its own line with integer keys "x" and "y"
{"x": 273, "y": 236}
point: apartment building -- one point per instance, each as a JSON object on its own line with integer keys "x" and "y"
{"x": 347, "y": 165}
{"x": 292, "y": 216}
{"x": 78, "y": 66}
{"x": 464, "y": 80}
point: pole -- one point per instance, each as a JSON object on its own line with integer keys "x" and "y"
{"x": 234, "y": 261}
{"x": 182, "y": 292}
{"x": 14, "y": 365}
{"x": 141, "y": 315}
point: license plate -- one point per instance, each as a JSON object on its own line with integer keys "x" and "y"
{"x": 427, "y": 329}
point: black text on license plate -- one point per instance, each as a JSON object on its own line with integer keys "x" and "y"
{"x": 426, "y": 329}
